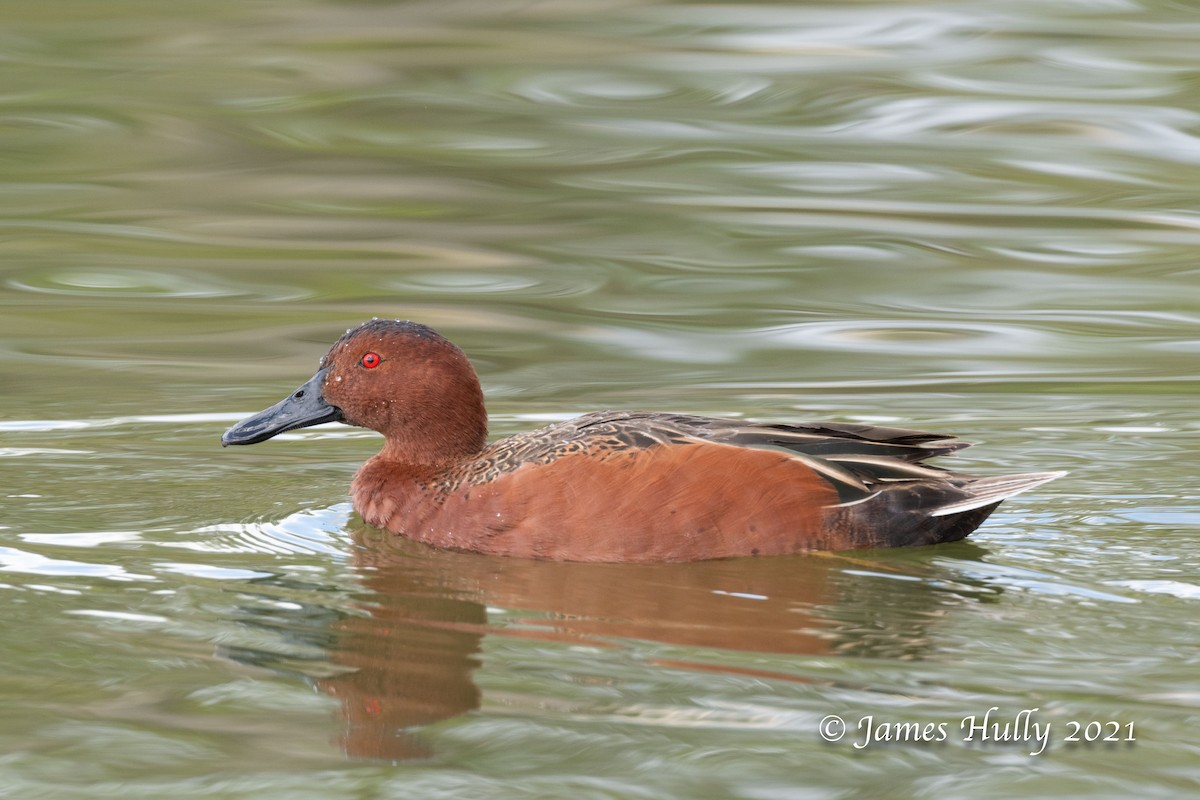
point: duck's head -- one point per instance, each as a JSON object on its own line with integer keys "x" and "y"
{"x": 400, "y": 378}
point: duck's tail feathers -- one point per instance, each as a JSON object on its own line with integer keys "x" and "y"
{"x": 989, "y": 491}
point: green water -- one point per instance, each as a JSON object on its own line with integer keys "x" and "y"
{"x": 971, "y": 217}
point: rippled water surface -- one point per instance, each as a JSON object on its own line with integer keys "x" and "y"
{"x": 976, "y": 217}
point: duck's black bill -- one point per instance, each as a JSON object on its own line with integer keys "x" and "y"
{"x": 301, "y": 408}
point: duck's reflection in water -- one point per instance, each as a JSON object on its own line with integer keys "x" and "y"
{"x": 407, "y": 659}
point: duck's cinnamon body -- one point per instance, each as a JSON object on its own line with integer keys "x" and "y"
{"x": 616, "y": 485}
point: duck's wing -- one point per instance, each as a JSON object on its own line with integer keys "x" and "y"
{"x": 878, "y": 472}
{"x": 855, "y": 459}
{"x": 821, "y": 439}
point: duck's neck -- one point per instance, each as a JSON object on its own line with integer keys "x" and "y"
{"x": 413, "y": 457}
{"x": 440, "y": 436}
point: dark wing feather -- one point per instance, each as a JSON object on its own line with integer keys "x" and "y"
{"x": 825, "y": 439}
{"x": 855, "y": 459}
{"x": 822, "y": 439}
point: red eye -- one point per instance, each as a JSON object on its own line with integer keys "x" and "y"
{"x": 371, "y": 360}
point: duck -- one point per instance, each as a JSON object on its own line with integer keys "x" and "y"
{"x": 618, "y": 486}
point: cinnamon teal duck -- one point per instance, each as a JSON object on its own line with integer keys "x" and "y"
{"x": 620, "y": 486}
